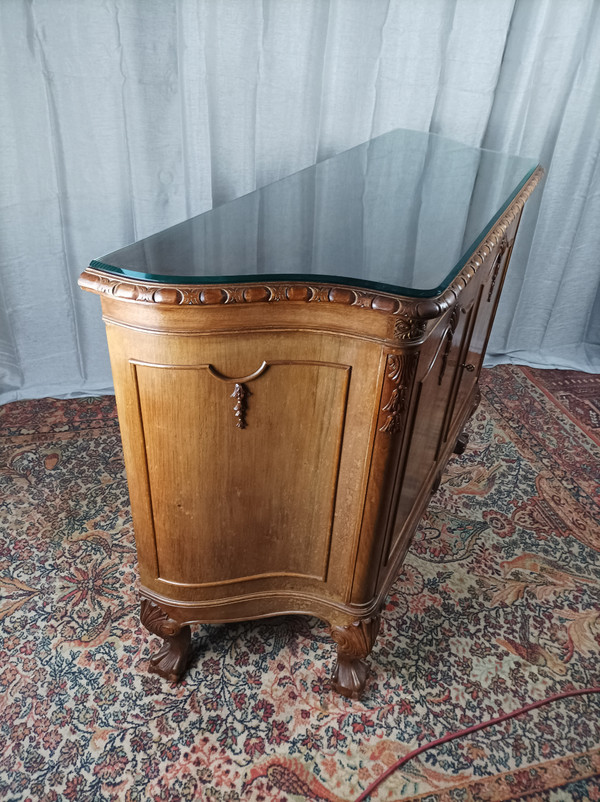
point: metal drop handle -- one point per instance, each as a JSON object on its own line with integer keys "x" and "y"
{"x": 469, "y": 367}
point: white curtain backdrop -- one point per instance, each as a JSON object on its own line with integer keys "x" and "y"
{"x": 121, "y": 117}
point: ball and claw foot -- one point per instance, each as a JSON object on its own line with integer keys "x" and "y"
{"x": 354, "y": 642}
{"x": 171, "y": 660}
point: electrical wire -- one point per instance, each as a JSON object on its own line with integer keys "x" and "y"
{"x": 451, "y": 736}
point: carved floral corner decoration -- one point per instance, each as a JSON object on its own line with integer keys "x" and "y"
{"x": 400, "y": 369}
{"x": 496, "y": 268}
{"x": 407, "y": 328}
{"x": 449, "y": 337}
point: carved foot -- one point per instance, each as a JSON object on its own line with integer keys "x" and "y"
{"x": 171, "y": 660}
{"x": 461, "y": 443}
{"x": 354, "y": 643}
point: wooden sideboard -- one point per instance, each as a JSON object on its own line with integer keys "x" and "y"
{"x": 282, "y": 439}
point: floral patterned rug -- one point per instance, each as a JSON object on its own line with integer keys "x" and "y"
{"x": 578, "y": 394}
{"x": 498, "y": 605}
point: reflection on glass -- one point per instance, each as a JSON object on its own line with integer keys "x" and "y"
{"x": 400, "y": 213}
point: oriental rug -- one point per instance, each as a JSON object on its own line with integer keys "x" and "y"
{"x": 578, "y": 394}
{"x": 498, "y": 605}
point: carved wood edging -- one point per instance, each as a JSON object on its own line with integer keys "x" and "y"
{"x": 191, "y": 611}
{"x": 357, "y": 639}
{"x": 449, "y": 336}
{"x": 496, "y": 267}
{"x": 399, "y": 372}
{"x": 157, "y": 620}
{"x": 412, "y": 310}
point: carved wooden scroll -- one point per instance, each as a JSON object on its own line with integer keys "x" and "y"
{"x": 496, "y": 269}
{"x": 399, "y": 373}
{"x": 171, "y": 660}
{"x": 449, "y": 337}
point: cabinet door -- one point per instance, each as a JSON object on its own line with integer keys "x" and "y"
{"x": 436, "y": 382}
{"x": 450, "y": 364}
{"x": 253, "y": 448}
{"x": 478, "y": 303}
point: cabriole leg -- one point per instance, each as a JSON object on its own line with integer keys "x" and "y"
{"x": 354, "y": 643}
{"x": 171, "y": 660}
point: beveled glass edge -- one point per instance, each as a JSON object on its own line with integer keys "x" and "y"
{"x": 264, "y": 278}
{"x": 479, "y": 239}
{"x": 394, "y": 289}
{"x": 412, "y": 311}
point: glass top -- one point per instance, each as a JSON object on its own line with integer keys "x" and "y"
{"x": 400, "y": 213}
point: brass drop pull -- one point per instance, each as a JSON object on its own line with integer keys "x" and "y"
{"x": 469, "y": 367}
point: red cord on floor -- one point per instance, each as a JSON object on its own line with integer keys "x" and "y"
{"x": 452, "y": 735}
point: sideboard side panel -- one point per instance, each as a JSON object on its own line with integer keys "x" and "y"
{"x": 248, "y": 458}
